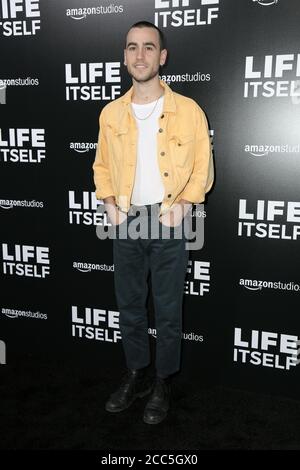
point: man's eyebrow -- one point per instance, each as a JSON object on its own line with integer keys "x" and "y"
{"x": 131, "y": 44}
{"x": 145, "y": 44}
{"x": 149, "y": 44}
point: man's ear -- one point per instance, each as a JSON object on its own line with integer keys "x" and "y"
{"x": 163, "y": 56}
{"x": 125, "y": 57}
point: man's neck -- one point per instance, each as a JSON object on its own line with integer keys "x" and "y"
{"x": 146, "y": 92}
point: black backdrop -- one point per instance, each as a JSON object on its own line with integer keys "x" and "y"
{"x": 61, "y": 62}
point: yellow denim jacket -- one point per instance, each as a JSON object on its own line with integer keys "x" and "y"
{"x": 183, "y": 151}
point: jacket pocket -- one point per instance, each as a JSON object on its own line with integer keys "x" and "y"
{"x": 183, "y": 151}
{"x": 117, "y": 141}
{"x": 184, "y": 139}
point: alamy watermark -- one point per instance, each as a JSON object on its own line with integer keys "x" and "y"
{"x": 142, "y": 222}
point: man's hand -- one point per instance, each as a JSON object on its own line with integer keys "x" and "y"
{"x": 175, "y": 215}
{"x": 116, "y": 217}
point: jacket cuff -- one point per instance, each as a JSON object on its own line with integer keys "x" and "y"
{"x": 103, "y": 193}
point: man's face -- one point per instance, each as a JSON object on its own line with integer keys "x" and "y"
{"x": 142, "y": 55}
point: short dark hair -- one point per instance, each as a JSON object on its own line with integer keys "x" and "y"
{"x": 147, "y": 24}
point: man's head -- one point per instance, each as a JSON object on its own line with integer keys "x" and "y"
{"x": 144, "y": 51}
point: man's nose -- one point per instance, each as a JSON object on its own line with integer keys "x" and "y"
{"x": 140, "y": 52}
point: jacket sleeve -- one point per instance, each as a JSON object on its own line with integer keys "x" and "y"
{"x": 202, "y": 177}
{"x": 101, "y": 166}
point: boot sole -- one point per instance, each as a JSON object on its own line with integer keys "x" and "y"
{"x": 137, "y": 395}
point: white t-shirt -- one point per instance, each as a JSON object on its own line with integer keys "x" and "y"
{"x": 148, "y": 187}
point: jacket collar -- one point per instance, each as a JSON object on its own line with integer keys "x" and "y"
{"x": 169, "y": 100}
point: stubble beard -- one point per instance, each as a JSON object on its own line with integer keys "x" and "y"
{"x": 145, "y": 79}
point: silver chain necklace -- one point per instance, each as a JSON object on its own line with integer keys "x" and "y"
{"x": 143, "y": 119}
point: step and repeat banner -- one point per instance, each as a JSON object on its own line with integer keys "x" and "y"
{"x": 61, "y": 62}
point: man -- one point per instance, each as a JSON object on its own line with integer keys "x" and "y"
{"x": 153, "y": 153}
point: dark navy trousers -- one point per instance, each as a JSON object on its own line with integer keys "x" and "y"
{"x": 166, "y": 260}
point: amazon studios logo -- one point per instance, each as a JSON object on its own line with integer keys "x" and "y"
{"x": 87, "y": 267}
{"x": 17, "y": 313}
{"x": 273, "y": 76}
{"x": 12, "y": 203}
{"x": 265, "y": 3}
{"x": 22, "y": 145}
{"x": 180, "y": 12}
{"x": 19, "y": 17}
{"x": 83, "y": 147}
{"x": 266, "y": 349}
{"x": 84, "y": 12}
{"x": 188, "y": 336}
{"x": 257, "y": 284}
{"x": 94, "y": 81}
{"x": 258, "y": 221}
{"x": 262, "y": 150}
{"x": 97, "y": 324}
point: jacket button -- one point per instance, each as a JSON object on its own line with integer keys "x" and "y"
{"x": 162, "y": 153}
{"x": 166, "y": 174}
{"x": 169, "y": 195}
{"x": 179, "y": 144}
{"x": 162, "y": 116}
{"x": 160, "y": 130}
